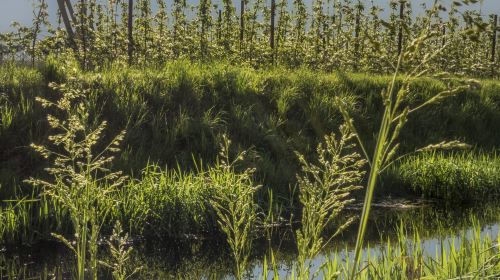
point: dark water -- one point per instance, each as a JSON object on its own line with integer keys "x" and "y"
{"x": 209, "y": 258}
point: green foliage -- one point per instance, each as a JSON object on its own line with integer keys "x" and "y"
{"x": 181, "y": 110}
{"x": 176, "y": 111}
{"x": 469, "y": 255}
{"x": 18, "y": 88}
{"x": 166, "y": 203}
{"x": 453, "y": 177}
{"x": 397, "y": 107}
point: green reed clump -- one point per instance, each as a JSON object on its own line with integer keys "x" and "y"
{"x": 324, "y": 192}
{"x": 234, "y": 204}
{"x": 9, "y": 220}
{"x": 455, "y": 177}
{"x": 16, "y": 221}
{"x": 166, "y": 203}
{"x": 81, "y": 183}
{"x": 173, "y": 203}
{"x": 30, "y": 218}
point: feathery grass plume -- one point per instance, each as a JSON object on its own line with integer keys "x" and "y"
{"x": 81, "y": 183}
{"x": 234, "y": 204}
{"x": 445, "y": 145}
{"x": 324, "y": 191}
{"x": 121, "y": 253}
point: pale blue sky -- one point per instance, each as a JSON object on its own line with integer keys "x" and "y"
{"x": 22, "y": 10}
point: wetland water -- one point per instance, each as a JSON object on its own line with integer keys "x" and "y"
{"x": 199, "y": 258}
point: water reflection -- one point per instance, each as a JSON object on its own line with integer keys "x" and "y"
{"x": 209, "y": 258}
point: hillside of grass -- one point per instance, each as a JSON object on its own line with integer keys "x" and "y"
{"x": 175, "y": 115}
{"x": 175, "y": 118}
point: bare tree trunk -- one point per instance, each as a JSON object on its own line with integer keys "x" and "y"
{"x": 494, "y": 39}
{"x": 242, "y": 23}
{"x": 356, "y": 38}
{"x": 271, "y": 39}
{"x": 130, "y": 29}
{"x": 219, "y": 27}
{"x": 203, "y": 19}
{"x": 67, "y": 23}
{"x": 71, "y": 11}
{"x": 83, "y": 31}
{"x": 400, "y": 33}
{"x": 36, "y": 30}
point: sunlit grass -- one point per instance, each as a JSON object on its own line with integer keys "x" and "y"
{"x": 459, "y": 176}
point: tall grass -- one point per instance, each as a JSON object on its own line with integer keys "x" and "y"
{"x": 19, "y": 123}
{"x": 397, "y": 106}
{"x": 324, "y": 192}
{"x": 30, "y": 218}
{"x": 470, "y": 255}
{"x": 179, "y": 113}
{"x": 81, "y": 182}
{"x": 234, "y": 204}
{"x": 166, "y": 203}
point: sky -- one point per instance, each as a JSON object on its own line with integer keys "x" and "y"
{"x": 22, "y": 10}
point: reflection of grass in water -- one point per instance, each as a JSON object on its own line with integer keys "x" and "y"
{"x": 43, "y": 261}
{"x": 194, "y": 259}
{"x": 430, "y": 222}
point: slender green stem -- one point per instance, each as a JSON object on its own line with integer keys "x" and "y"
{"x": 378, "y": 158}
{"x": 374, "y": 171}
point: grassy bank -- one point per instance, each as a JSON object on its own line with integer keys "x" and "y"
{"x": 175, "y": 117}
{"x": 179, "y": 112}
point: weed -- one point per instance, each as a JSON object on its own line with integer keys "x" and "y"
{"x": 81, "y": 182}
